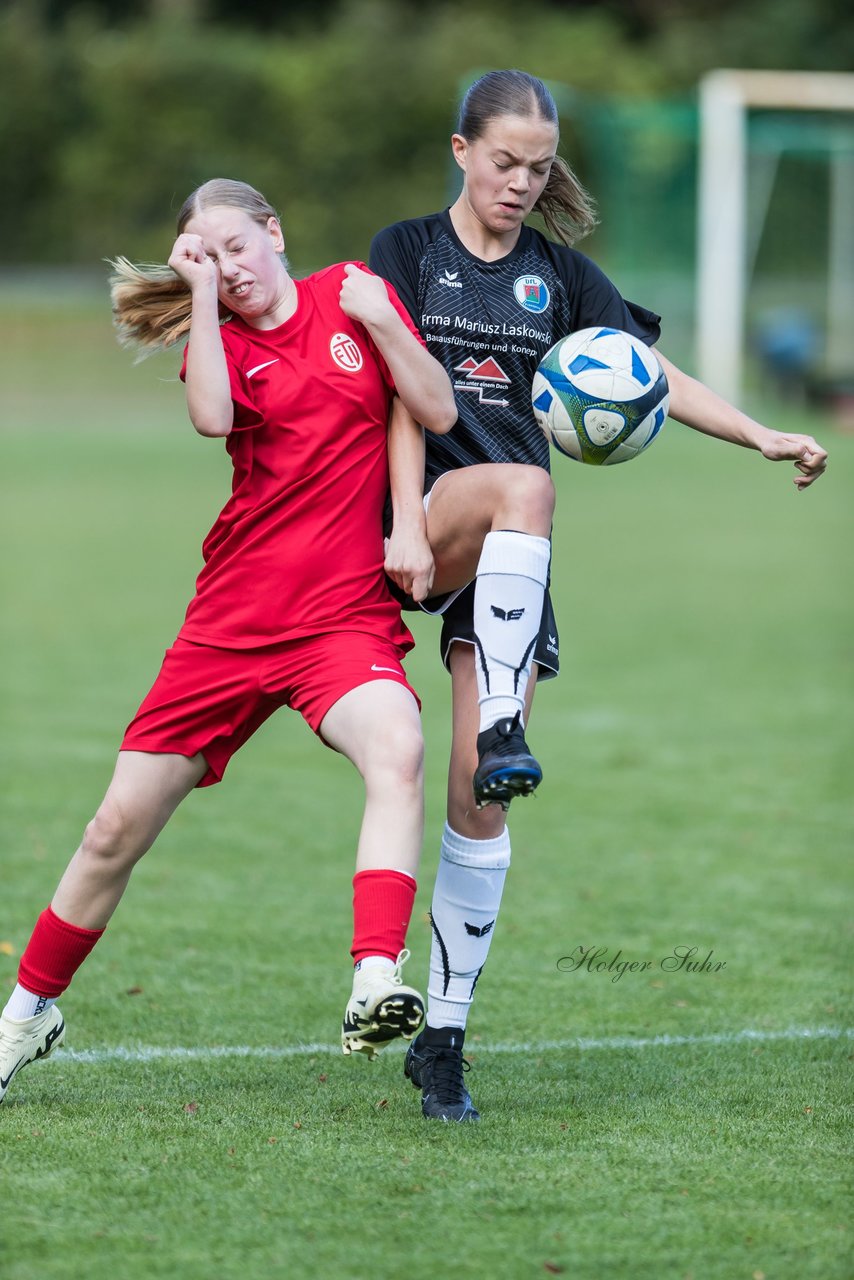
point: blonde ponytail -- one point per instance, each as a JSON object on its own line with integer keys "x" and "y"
{"x": 151, "y": 306}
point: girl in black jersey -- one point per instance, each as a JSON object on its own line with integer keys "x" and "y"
{"x": 490, "y": 296}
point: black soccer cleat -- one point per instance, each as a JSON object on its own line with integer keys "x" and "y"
{"x": 435, "y": 1065}
{"x": 506, "y": 767}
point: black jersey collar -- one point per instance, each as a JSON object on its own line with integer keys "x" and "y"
{"x": 519, "y": 247}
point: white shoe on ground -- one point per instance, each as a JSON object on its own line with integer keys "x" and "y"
{"x": 24, "y": 1041}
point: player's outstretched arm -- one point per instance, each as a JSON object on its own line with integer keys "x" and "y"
{"x": 419, "y": 379}
{"x": 208, "y": 390}
{"x": 696, "y": 405}
{"x": 408, "y": 558}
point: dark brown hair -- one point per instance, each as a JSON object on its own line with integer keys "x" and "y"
{"x": 566, "y": 208}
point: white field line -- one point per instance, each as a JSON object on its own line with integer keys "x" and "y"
{"x": 154, "y": 1053}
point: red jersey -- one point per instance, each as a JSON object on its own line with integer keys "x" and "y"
{"x": 298, "y": 548}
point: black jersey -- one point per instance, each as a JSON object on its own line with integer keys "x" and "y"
{"x": 490, "y": 323}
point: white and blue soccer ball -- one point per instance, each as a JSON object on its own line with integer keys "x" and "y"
{"x": 600, "y": 396}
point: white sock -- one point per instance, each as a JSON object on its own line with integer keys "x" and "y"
{"x": 26, "y": 1004}
{"x": 373, "y": 962}
{"x": 466, "y": 898}
{"x": 508, "y": 607}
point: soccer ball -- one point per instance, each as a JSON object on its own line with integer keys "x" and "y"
{"x": 600, "y": 396}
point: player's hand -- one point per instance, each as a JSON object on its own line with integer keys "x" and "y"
{"x": 808, "y": 456}
{"x": 363, "y": 297}
{"x": 409, "y": 562}
{"x": 190, "y": 262}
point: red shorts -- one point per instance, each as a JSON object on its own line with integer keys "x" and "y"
{"x": 213, "y": 700}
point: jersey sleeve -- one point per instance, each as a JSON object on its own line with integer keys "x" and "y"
{"x": 246, "y": 415}
{"x": 600, "y": 302}
{"x": 393, "y": 257}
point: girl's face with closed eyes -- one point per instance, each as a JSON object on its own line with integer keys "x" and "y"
{"x": 506, "y": 169}
{"x": 251, "y": 276}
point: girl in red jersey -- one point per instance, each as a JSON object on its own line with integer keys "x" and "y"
{"x": 292, "y": 606}
{"x": 490, "y": 295}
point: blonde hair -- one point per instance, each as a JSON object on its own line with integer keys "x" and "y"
{"x": 151, "y": 305}
{"x": 568, "y": 211}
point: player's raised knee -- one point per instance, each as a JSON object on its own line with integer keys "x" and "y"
{"x": 526, "y": 500}
{"x": 535, "y": 487}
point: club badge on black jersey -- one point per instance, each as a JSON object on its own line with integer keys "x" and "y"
{"x": 490, "y": 323}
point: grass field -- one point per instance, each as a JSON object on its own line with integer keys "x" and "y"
{"x": 663, "y": 1125}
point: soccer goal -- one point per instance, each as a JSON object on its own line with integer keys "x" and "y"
{"x": 726, "y": 100}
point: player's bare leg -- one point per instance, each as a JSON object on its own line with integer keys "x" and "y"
{"x": 468, "y": 504}
{"x": 144, "y": 792}
{"x": 378, "y": 728}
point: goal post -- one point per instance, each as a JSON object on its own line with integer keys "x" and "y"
{"x": 726, "y": 97}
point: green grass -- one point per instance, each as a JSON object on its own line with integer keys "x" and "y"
{"x": 697, "y": 756}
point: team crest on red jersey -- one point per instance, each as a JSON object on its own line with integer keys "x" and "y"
{"x": 345, "y": 352}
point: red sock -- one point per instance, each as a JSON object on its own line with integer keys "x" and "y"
{"x": 382, "y": 908}
{"x": 54, "y": 954}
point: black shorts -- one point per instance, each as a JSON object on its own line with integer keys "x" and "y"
{"x": 458, "y": 618}
{"x": 458, "y": 624}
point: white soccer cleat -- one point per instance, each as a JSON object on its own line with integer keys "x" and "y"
{"x": 24, "y": 1041}
{"x": 381, "y": 1009}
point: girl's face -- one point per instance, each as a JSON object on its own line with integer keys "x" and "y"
{"x": 251, "y": 277}
{"x": 506, "y": 169}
